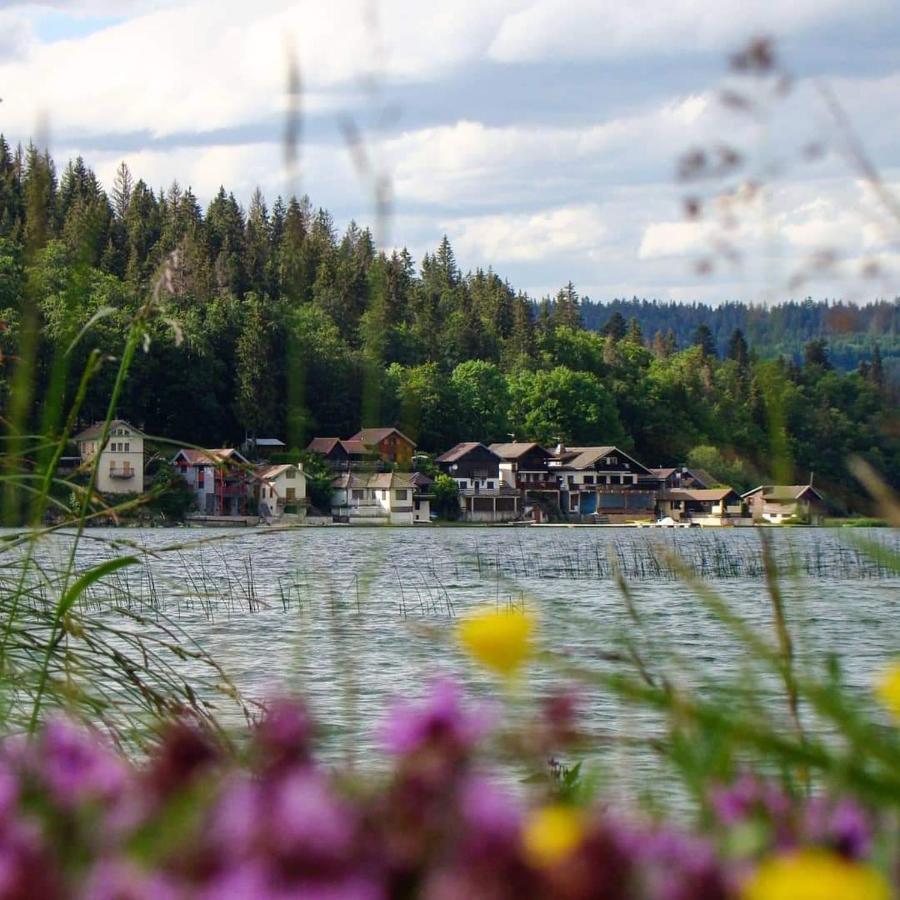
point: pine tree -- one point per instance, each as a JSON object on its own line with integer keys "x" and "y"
{"x": 703, "y": 339}
{"x": 634, "y": 334}
{"x": 737, "y": 349}
{"x": 122, "y": 189}
{"x": 876, "y": 371}
{"x": 615, "y": 326}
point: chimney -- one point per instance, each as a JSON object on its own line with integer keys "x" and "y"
{"x": 560, "y": 449}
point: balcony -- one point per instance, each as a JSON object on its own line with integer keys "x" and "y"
{"x": 551, "y": 485}
{"x": 126, "y": 472}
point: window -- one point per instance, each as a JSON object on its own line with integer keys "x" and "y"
{"x": 463, "y": 484}
{"x": 401, "y": 495}
{"x": 291, "y": 494}
{"x": 357, "y": 493}
{"x": 614, "y": 479}
{"x": 201, "y": 475}
{"x": 571, "y": 481}
{"x": 127, "y": 447}
{"x": 489, "y": 485}
{"x": 588, "y": 479}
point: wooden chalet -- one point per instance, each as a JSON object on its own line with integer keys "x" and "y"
{"x": 389, "y": 444}
{"x": 483, "y": 495}
{"x": 603, "y": 483}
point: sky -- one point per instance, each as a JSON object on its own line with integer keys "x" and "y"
{"x": 543, "y": 137}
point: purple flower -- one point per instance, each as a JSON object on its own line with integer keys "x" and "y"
{"x": 78, "y": 767}
{"x": 307, "y": 821}
{"x": 121, "y": 880}
{"x": 488, "y": 812}
{"x": 186, "y": 750}
{"x": 285, "y": 732}
{"x": 440, "y": 720}
{"x": 25, "y": 868}
{"x": 841, "y": 825}
{"x": 237, "y": 818}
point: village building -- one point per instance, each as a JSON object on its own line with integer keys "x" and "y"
{"x": 342, "y": 456}
{"x": 381, "y": 498}
{"x": 390, "y": 445}
{"x": 603, "y": 483}
{"x": 780, "y": 503}
{"x": 221, "y": 479}
{"x": 121, "y": 465}
{"x": 677, "y": 477}
{"x": 281, "y": 492}
{"x": 703, "y": 506}
{"x": 525, "y": 466}
{"x": 483, "y": 495}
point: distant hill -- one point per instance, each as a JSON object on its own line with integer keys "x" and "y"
{"x": 779, "y": 330}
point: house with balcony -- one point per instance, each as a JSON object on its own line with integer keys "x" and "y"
{"x": 604, "y": 484}
{"x": 707, "y": 507}
{"x": 380, "y": 498}
{"x": 483, "y": 494}
{"x": 778, "y": 504}
{"x": 121, "y": 464}
{"x": 222, "y": 480}
{"x": 390, "y": 445}
{"x": 525, "y": 466}
{"x": 281, "y": 492}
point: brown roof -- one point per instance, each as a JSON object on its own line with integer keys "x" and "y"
{"x": 378, "y": 481}
{"x": 373, "y": 436}
{"x": 663, "y": 473}
{"x": 211, "y": 457}
{"x": 586, "y": 456}
{"x": 323, "y": 445}
{"x": 699, "y": 494}
{"x": 516, "y": 449}
{"x": 354, "y": 447}
{"x": 784, "y": 492}
{"x": 96, "y": 430}
{"x": 461, "y": 450}
{"x": 265, "y": 473}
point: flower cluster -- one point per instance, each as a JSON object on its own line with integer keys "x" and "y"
{"x": 78, "y": 819}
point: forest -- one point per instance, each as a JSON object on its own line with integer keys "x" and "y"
{"x": 267, "y": 321}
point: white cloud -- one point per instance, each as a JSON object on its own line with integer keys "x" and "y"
{"x": 548, "y": 234}
{"x": 604, "y": 29}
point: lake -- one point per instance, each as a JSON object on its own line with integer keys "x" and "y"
{"x": 354, "y": 617}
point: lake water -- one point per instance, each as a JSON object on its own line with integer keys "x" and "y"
{"x": 355, "y": 617}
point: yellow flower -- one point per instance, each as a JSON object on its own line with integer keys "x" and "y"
{"x": 551, "y": 833}
{"x": 499, "y": 640}
{"x": 888, "y": 688}
{"x": 815, "y": 875}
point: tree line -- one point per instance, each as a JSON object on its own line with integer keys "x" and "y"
{"x": 272, "y": 322}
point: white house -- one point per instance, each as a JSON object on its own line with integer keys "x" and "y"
{"x": 281, "y": 491}
{"x": 385, "y": 498}
{"x": 121, "y": 468}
